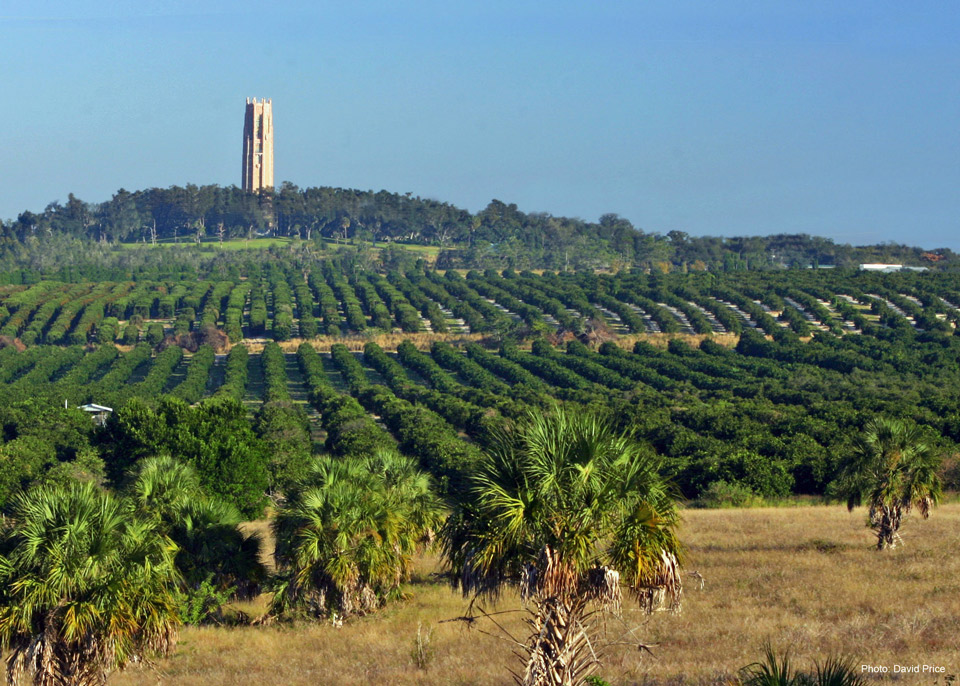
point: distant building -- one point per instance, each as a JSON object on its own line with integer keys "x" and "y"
{"x": 258, "y": 146}
{"x": 880, "y": 267}
{"x": 100, "y": 413}
{"x": 889, "y": 268}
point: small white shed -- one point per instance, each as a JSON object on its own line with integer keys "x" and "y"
{"x": 98, "y": 412}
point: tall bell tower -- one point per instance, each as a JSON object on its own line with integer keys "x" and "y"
{"x": 258, "y": 146}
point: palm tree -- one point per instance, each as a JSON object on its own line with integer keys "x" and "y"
{"x": 163, "y": 486}
{"x": 347, "y": 532}
{"x": 86, "y": 586}
{"x": 211, "y": 546}
{"x": 893, "y": 467}
{"x": 567, "y": 509}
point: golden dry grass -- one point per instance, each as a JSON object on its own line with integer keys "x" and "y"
{"x": 387, "y": 341}
{"x": 261, "y": 528}
{"x": 804, "y": 578}
{"x": 661, "y": 340}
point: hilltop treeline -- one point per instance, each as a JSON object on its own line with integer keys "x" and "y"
{"x": 499, "y": 236}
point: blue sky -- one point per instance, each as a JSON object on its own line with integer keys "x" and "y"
{"x": 719, "y": 118}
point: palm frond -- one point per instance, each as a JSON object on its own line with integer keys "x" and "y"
{"x": 772, "y": 671}
{"x": 838, "y": 671}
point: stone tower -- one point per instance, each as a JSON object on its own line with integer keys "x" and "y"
{"x": 258, "y": 146}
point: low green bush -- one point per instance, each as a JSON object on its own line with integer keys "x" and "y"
{"x": 722, "y": 494}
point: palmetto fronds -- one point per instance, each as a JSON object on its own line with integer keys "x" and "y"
{"x": 85, "y": 587}
{"x": 773, "y": 671}
{"x": 164, "y": 487}
{"x": 569, "y": 510}
{"x": 565, "y": 495}
{"x": 206, "y": 532}
{"x": 346, "y": 536}
{"x": 892, "y": 467}
{"x": 838, "y": 671}
{"x": 779, "y": 670}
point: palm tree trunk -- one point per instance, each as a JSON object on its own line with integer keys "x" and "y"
{"x": 558, "y": 646}
{"x": 888, "y": 524}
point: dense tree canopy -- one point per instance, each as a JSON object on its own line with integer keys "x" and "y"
{"x": 498, "y": 236}
{"x": 214, "y": 437}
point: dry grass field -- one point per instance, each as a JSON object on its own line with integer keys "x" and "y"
{"x": 662, "y": 340}
{"x": 803, "y": 578}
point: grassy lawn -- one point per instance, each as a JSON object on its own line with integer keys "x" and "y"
{"x": 233, "y": 244}
{"x": 429, "y": 252}
{"x": 807, "y": 579}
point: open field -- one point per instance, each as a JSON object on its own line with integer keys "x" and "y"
{"x": 807, "y": 579}
{"x": 429, "y": 252}
{"x": 187, "y": 243}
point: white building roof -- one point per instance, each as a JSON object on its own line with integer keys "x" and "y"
{"x": 92, "y": 407}
{"x": 879, "y": 266}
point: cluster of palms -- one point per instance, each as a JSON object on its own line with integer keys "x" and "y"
{"x": 561, "y": 506}
{"x": 90, "y": 581}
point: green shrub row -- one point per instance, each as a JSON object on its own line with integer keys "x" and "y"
{"x": 490, "y": 318}
{"x": 258, "y": 311}
{"x": 406, "y": 316}
{"x": 585, "y": 368}
{"x": 14, "y": 364}
{"x": 113, "y": 384}
{"x": 546, "y": 369}
{"x": 86, "y": 369}
{"x": 350, "y": 428}
{"x": 158, "y": 376}
{"x": 458, "y": 308}
{"x": 523, "y": 291}
{"x": 282, "y": 305}
{"x": 531, "y": 315}
{"x": 373, "y": 304}
{"x": 44, "y": 367}
{"x": 304, "y": 300}
{"x": 347, "y": 296}
{"x": 428, "y": 308}
{"x": 235, "y": 373}
{"x": 420, "y": 432}
{"x": 233, "y": 315}
{"x": 274, "y": 373}
{"x": 327, "y": 301}
{"x": 565, "y": 290}
{"x": 468, "y": 370}
{"x": 194, "y": 384}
